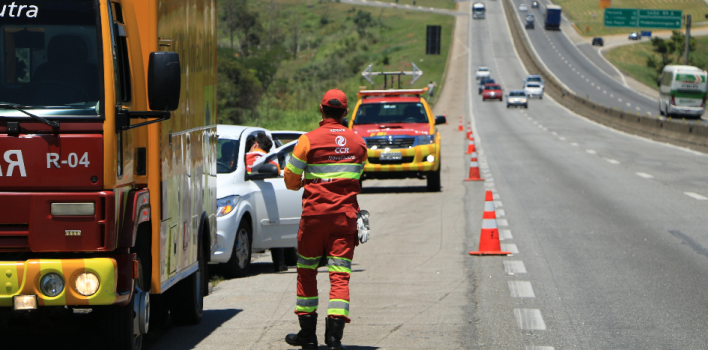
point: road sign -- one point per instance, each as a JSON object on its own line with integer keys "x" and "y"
{"x": 643, "y": 18}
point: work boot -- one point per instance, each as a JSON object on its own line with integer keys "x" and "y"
{"x": 307, "y": 337}
{"x": 334, "y": 329}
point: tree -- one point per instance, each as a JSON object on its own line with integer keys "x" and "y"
{"x": 230, "y": 19}
{"x": 363, "y": 20}
{"x": 663, "y": 49}
{"x": 239, "y": 89}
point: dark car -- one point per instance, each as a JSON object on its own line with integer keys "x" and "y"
{"x": 534, "y": 5}
{"x": 597, "y": 41}
{"x": 483, "y": 82}
{"x": 530, "y": 22}
{"x": 635, "y": 36}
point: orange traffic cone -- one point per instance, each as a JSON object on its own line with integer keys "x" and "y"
{"x": 489, "y": 237}
{"x": 474, "y": 169}
{"x": 459, "y": 127}
{"x": 471, "y": 146}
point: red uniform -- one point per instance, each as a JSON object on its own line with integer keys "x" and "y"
{"x": 257, "y": 154}
{"x": 331, "y": 157}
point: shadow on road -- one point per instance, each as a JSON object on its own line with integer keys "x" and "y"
{"x": 403, "y": 189}
{"x": 183, "y": 338}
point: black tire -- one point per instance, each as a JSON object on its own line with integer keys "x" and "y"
{"x": 433, "y": 180}
{"x": 507, "y": 106}
{"x": 240, "y": 261}
{"x": 526, "y": 106}
{"x": 118, "y": 322}
{"x": 187, "y": 296}
{"x": 290, "y": 256}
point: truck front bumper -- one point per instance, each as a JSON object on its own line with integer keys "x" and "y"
{"x": 422, "y": 158}
{"x": 23, "y": 278}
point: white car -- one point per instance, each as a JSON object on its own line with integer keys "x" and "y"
{"x": 523, "y": 8}
{"x": 255, "y": 212}
{"x": 482, "y": 72}
{"x": 533, "y": 89}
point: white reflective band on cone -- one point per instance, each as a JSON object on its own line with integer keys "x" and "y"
{"x": 474, "y": 155}
{"x": 489, "y": 223}
{"x": 488, "y": 206}
{"x": 474, "y": 164}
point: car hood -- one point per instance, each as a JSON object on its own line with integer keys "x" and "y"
{"x": 415, "y": 129}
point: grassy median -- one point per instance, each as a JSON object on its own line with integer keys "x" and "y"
{"x": 443, "y": 4}
{"x": 581, "y": 12}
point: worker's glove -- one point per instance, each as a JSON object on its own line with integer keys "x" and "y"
{"x": 362, "y": 224}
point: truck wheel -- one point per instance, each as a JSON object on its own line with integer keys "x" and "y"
{"x": 240, "y": 261}
{"x": 121, "y": 328}
{"x": 290, "y": 256}
{"x": 187, "y": 296}
{"x": 433, "y": 178}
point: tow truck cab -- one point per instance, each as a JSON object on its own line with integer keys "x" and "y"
{"x": 401, "y": 135}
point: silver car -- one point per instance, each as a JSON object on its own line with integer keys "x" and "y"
{"x": 533, "y": 90}
{"x": 517, "y": 98}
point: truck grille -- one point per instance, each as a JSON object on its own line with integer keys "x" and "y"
{"x": 395, "y": 142}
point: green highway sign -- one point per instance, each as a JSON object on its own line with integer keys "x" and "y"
{"x": 643, "y": 18}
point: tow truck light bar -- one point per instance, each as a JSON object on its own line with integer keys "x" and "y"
{"x": 409, "y": 92}
{"x": 416, "y": 73}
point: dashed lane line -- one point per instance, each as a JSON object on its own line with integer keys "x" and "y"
{"x": 500, "y": 213}
{"x": 513, "y": 267}
{"x": 521, "y": 289}
{"x": 502, "y": 222}
{"x": 529, "y": 319}
{"x": 696, "y": 196}
{"x": 509, "y": 247}
{"x": 612, "y": 161}
{"x": 575, "y": 144}
{"x": 645, "y": 175}
{"x": 505, "y": 235}
{"x": 534, "y": 347}
{"x": 591, "y": 151}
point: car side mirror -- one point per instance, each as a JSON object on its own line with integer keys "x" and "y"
{"x": 345, "y": 122}
{"x": 264, "y": 171}
{"x": 164, "y": 81}
{"x": 440, "y": 120}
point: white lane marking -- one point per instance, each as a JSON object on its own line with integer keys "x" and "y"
{"x": 619, "y": 99}
{"x": 562, "y": 138}
{"x": 533, "y": 347}
{"x": 638, "y": 108}
{"x": 591, "y": 151}
{"x": 582, "y": 76}
{"x": 514, "y": 266}
{"x": 489, "y": 179}
{"x": 501, "y": 213}
{"x": 496, "y": 197}
{"x": 578, "y": 72}
{"x": 604, "y": 92}
{"x": 574, "y": 144}
{"x": 612, "y": 161}
{"x": 598, "y": 87}
{"x": 645, "y": 175}
{"x": 505, "y": 235}
{"x": 529, "y": 319}
{"x": 502, "y": 222}
{"x": 696, "y": 196}
{"x": 510, "y": 247}
{"x": 554, "y": 133}
{"x": 489, "y": 184}
{"x": 592, "y": 84}
{"x": 521, "y": 289}
{"x": 587, "y": 80}
{"x": 498, "y": 204}
{"x": 629, "y": 104}
{"x": 612, "y": 95}
{"x": 573, "y": 69}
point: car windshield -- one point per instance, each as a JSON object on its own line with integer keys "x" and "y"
{"x": 226, "y": 156}
{"x": 486, "y": 81}
{"x": 517, "y": 93}
{"x": 533, "y": 85}
{"x": 383, "y": 113}
{"x": 483, "y": 69}
{"x": 529, "y": 17}
{"x": 50, "y": 56}
{"x": 492, "y": 87}
{"x": 533, "y": 79}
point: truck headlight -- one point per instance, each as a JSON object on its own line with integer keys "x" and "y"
{"x": 226, "y": 205}
{"x": 87, "y": 284}
{"x": 51, "y": 284}
{"x": 430, "y": 158}
{"x": 425, "y": 139}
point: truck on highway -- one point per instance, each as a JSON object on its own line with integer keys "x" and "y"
{"x": 401, "y": 135}
{"x": 478, "y": 10}
{"x": 682, "y": 91}
{"x": 553, "y": 17}
{"x": 108, "y": 167}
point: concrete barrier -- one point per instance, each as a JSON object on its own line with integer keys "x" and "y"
{"x": 693, "y": 136}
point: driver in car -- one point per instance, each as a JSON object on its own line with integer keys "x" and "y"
{"x": 260, "y": 148}
{"x": 228, "y": 156}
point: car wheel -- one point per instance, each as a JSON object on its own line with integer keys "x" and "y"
{"x": 526, "y": 106}
{"x": 507, "y": 106}
{"x": 433, "y": 179}
{"x": 290, "y": 256}
{"x": 119, "y": 320}
{"x": 240, "y": 260}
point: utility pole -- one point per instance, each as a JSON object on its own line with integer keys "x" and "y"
{"x": 688, "y": 36}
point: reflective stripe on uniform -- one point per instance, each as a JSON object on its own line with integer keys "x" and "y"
{"x": 337, "y": 264}
{"x": 308, "y": 263}
{"x": 296, "y": 165}
{"x": 307, "y": 304}
{"x": 334, "y": 168}
{"x": 338, "y": 307}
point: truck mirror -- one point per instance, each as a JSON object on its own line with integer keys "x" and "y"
{"x": 440, "y": 120}
{"x": 164, "y": 81}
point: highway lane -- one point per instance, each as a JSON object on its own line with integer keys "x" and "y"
{"x": 613, "y": 248}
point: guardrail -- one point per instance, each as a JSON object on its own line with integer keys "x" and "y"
{"x": 694, "y": 136}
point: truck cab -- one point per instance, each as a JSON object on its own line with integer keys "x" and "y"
{"x": 401, "y": 135}
{"x": 478, "y": 10}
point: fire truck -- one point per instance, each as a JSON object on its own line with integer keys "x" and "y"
{"x": 107, "y": 161}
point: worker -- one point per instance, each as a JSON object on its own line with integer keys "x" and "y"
{"x": 331, "y": 158}
{"x": 260, "y": 146}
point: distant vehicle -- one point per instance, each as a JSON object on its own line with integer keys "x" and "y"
{"x": 523, "y": 7}
{"x": 478, "y": 10}
{"x": 533, "y": 78}
{"x": 635, "y": 36}
{"x": 255, "y": 211}
{"x": 553, "y": 17}
{"x": 482, "y": 72}
{"x": 492, "y": 92}
{"x": 534, "y": 5}
{"x": 482, "y": 82}
{"x": 530, "y": 21}
{"x": 597, "y": 41}
{"x": 517, "y": 98}
{"x": 533, "y": 89}
{"x": 682, "y": 91}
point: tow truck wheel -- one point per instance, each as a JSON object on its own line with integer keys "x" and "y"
{"x": 240, "y": 260}
{"x": 128, "y": 323}
{"x": 187, "y": 298}
{"x": 433, "y": 178}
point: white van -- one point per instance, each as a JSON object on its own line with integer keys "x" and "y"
{"x": 682, "y": 91}
{"x": 478, "y": 10}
